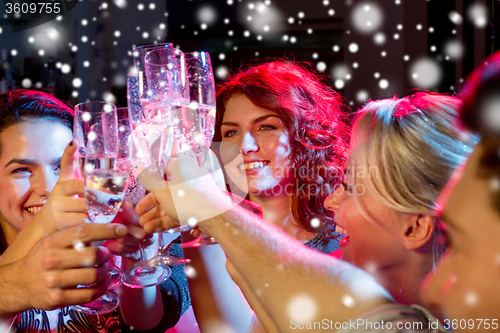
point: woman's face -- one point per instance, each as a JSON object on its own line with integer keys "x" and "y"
{"x": 264, "y": 143}
{"x": 373, "y": 231}
{"x": 466, "y": 285}
{"x": 29, "y": 168}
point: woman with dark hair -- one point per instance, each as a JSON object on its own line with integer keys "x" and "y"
{"x": 39, "y": 196}
{"x": 289, "y": 126}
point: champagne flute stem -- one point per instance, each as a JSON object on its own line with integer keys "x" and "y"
{"x": 142, "y": 251}
{"x": 161, "y": 244}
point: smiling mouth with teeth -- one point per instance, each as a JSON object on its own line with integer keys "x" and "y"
{"x": 33, "y": 210}
{"x": 342, "y": 231}
{"x": 253, "y": 165}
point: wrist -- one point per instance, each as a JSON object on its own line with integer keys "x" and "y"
{"x": 40, "y": 225}
{"x": 204, "y": 195}
{"x": 14, "y": 300}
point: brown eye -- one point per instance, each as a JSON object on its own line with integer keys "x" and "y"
{"x": 267, "y": 127}
{"x": 229, "y": 134}
{"x": 21, "y": 170}
{"x": 57, "y": 169}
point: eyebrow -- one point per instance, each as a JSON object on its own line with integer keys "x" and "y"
{"x": 258, "y": 120}
{"x": 27, "y": 161}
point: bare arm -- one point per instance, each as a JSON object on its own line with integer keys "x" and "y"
{"x": 291, "y": 273}
{"x": 217, "y": 301}
{"x": 48, "y": 276}
{"x": 263, "y": 323}
{"x": 265, "y": 255}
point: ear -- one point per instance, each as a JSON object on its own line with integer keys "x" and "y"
{"x": 418, "y": 230}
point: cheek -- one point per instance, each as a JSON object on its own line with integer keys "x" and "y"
{"x": 52, "y": 181}
{"x": 349, "y": 211}
{"x": 280, "y": 146}
{"x": 13, "y": 191}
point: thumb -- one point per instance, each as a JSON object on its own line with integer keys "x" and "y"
{"x": 68, "y": 161}
{"x": 127, "y": 213}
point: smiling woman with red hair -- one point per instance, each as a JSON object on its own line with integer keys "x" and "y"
{"x": 289, "y": 126}
{"x": 312, "y": 117}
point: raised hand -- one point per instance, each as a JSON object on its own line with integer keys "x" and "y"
{"x": 48, "y": 276}
{"x": 152, "y": 216}
{"x": 129, "y": 245}
{"x": 66, "y": 205}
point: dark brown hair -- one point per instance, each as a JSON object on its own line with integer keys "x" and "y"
{"x": 22, "y": 105}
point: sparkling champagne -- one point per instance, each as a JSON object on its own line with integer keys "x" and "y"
{"x": 104, "y": 191}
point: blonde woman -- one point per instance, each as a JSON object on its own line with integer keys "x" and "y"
{"x": 403, "y": 153}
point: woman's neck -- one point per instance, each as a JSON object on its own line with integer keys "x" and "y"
{"x": 278, "y": 210}
{"x": 403, "y": 280}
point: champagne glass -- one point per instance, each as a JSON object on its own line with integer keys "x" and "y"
{"x": 141, "y": 276}
{"x": 105, "y": 182}
{"x": 87, "y": 117}
{"x": 127, "y": 155}
{"x": 197, "y": 119}
{"x": 139, "y": 54}
{"x": 142, "y": 142}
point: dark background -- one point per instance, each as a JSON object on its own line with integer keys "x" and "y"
{"x": 92, "y": 42}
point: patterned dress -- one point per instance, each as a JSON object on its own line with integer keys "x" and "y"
{"x": 175, "y": 296}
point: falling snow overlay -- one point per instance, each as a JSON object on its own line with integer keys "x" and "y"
{"x": 368, "y": 49}
{"x": 92, "y": 44}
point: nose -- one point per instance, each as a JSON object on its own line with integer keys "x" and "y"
{"x": 43, "y": 183}
{"x": 332, "y": 201}
{"x": 249, "y": 144}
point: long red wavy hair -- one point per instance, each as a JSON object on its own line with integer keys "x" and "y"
{"x": 315, "y": 116}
